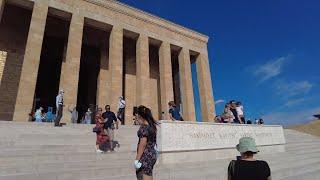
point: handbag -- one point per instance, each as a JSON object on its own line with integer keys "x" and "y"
{"x": 96, "y": 130}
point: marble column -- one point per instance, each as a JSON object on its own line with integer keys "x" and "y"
{"x": 115, "y": 66}
{"x": 31, "y": 61}
{"x": 166, "y": 83}
{"x": 143, "y": 71}
{"x": 186, "y": 88}
{"x": 71, "y": 65}
{"x": 205, "y": 87}
{"x": 2, "y": 2}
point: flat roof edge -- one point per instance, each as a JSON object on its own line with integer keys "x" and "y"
{"x": 179, "y": 28}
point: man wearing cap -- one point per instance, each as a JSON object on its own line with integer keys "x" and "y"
{"x": 59, "y": 105}
{"x": 247, "y": 167}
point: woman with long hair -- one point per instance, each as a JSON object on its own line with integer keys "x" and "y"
{"x": 146, "y": 152}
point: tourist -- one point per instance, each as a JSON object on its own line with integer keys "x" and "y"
{"x": 110, "y": 123}
{"x": 234, "y": 112}
{"x": 87, "y": 117}
{"x": 59, "y": 105}
{"x": 247, "y": 167}
{"x": 74, "y": 114}
{"x": 174, "y": 112}
{"x": 260, "y": 121}
{"x": 135, "y": 118}
{"x": 39, "y": 115}
{"x": 239, "y": 109}
{"x": 146, "y": 152}
{"x": 217, "y": 119}
{"x": 227, "y": 115}
{"x": 163, "y": 117}
{"x": 102, "y": 137}
{"x": 121, "y": 108}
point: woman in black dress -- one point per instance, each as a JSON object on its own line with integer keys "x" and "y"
{"x": 146, "y": 152}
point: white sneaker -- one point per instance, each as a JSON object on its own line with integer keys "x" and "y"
{"x": 99, "y": 151}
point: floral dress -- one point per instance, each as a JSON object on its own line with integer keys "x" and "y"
{"x": 149, "y": 156}
{"x": 102, "y": 136}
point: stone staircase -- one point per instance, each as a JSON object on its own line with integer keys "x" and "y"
{"x": 30, "y": 151}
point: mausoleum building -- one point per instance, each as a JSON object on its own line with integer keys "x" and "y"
{"x": 96, "y": 51}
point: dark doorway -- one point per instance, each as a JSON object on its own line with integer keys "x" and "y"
{"x": 89, "y": 71}
{"x": 52, "y": 54}
{"x": 155, "y": 75}
{"x": 176, "y": 77}
{"x": 49, "y": 72}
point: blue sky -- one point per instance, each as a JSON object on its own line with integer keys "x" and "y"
{"x": 265, "y": 54}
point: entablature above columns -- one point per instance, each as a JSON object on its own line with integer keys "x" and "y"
{"x": 118, "y": 14}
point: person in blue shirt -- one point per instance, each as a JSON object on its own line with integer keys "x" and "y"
{"x": 174, "y": 112}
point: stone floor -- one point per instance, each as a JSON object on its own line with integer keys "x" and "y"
{"x": 30, "y": 151}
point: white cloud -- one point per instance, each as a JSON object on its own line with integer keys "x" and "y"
{"x": 294, "y": 102}
{"x": 289, "y": 89}
{"x": 290, "y": 118}
{"x": 219, "y": 101}
{"x": 270, "y": 69}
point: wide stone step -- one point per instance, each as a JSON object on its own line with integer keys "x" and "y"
{"x": 57, "y": 155}
{"x": 309, "y": 174}
{"x": 64, "y": 156}
{"x": 292, "y": 171}
{"x": 182, "y": 170}
{"x": 213, "y": 171}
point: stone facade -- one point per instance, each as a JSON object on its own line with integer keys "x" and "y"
{"x": 143, "y": 75}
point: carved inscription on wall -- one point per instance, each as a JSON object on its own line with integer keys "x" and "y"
{"x": 196, "y": 136}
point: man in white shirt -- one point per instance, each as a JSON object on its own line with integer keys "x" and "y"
{"x": 59, "y": 105}
{"x": 121, "y": 107}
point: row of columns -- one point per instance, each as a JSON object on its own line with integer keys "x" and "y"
{"x": 71, "y": 66}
